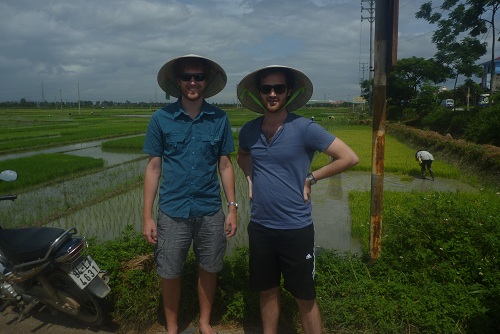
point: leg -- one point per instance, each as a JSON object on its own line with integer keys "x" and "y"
{"x": 422, "y": 169}
{"x": 209, "y": 247}
{"x": 310, "y": 316}
{"x": 207, "y": 283}
{"x": 171, "y": 293}
{"x": 270, "y": 310}
{"x": 429, "y": 168}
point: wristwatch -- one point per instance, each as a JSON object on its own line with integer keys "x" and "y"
{"x": 311, "y": 178}
{"x": 232, "y": 203}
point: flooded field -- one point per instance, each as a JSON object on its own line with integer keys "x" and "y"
{"x": 106, "y": 219}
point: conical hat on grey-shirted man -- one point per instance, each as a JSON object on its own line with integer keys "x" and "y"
{"x": 249, "y": 95}
{"x": 167, "y": 76}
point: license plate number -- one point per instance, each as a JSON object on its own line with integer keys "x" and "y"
{"x": 85, "y": 272}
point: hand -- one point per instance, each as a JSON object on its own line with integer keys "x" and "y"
{"x": 231, "y": 223}
{"x": 149, "y": 231}
{"x": 249, "y": 187}
{"x": 307, "y": 191}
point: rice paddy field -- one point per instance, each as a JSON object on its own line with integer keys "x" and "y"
{"x": 69, "y": 174}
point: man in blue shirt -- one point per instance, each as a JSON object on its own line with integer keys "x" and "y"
{"x": 275, "y": 154}
{"x": 187, "y": 143}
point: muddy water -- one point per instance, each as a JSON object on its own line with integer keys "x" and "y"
{"x": 107, "y": 219}
{"x": 331, "y": 212}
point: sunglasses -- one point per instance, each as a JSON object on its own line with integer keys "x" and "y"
{"x": 278, "y": 89}
{"x": 186, "y": 77}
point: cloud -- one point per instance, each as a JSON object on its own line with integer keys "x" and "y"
{"x": 113, "y": 49}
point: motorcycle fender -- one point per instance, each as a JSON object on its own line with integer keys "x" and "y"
{"x": 98, "y": 287}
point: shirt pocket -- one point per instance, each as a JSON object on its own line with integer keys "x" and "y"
{"x": 210, "y": 147}
{"x": 174, "y": 143}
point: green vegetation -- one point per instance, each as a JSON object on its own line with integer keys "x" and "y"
{"x": 41, "y": 169}
{"x": 439, "y": 270}
{"x": 439, "y": 273}
{"x": 23, "y": 130}
{"x": 480, "y": 164}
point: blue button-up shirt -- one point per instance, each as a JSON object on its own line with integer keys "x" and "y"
{"x": 190, "y": 150}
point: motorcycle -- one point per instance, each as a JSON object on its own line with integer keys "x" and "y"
{"x": 46, "y": 265}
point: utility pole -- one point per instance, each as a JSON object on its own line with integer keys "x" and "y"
{"x": 43, "y": 94}
{"x": 371, "y": 18}
{"x": 362, "y": 69}
{"x": 79, "y": 112}
{"x": 386, "y": 28}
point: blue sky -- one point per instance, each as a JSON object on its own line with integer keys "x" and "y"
{"x": 113, "y": 49}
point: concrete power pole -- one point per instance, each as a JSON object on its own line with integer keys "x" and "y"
{"x": 371, "y": 18}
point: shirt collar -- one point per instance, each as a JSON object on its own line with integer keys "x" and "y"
{"x": 206, "y": 108}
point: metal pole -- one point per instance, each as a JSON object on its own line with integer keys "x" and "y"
{"x": 370, "y": 19}
{"x": 386, "y": 23}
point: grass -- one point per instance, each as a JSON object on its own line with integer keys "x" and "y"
{"x": 439, "y": 271}
{"x": 41, "y": 169}
{"x": 23, "y": 130}
{"x": 398, "y": 159}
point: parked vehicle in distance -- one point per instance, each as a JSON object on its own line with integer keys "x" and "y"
{"x": 483, "y": 100}
{"x": 448, "y": 103}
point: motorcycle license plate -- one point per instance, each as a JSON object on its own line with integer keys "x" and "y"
{"x": 85, "y": 272}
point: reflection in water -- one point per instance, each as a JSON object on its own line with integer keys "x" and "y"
{"x": 105, "y": 220}
{"x": 331, "y": 216}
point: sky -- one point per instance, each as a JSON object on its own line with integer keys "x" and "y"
{"x": 112, "y": 50}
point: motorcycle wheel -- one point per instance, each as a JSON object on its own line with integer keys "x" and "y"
{"x": 78, "y": 303}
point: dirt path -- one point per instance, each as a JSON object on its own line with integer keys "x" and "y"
{"x": 42, "y": 321}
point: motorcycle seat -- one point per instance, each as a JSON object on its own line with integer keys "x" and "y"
{"x": 21, "y": 245}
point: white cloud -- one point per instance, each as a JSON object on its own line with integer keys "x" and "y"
{"x": 113, "y": 49}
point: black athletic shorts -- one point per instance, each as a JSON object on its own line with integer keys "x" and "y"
{"x": 289, "y": 253}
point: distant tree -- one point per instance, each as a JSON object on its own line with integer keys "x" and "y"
{"x": 365, "y": 88}
{"x": 461, "y": 58}
{"x": 467, "y": 21}
{"x": 408, "y": 76}
{"x": 468, "y": 92}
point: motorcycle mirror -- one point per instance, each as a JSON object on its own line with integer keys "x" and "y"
{"x": 8, "y": 175}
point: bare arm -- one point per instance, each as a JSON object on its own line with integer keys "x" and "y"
{"x": 226, "y": 172}
{"x": 245, "y": 163}
{"x": 343, "y": 158}
{"x": 151, "y": 181}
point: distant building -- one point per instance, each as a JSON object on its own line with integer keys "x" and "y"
{"x": 485, "y": 81}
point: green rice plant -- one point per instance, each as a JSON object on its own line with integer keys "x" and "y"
{"x": 134, "y": 144}
{"x": 40, "y": 169}
{"x": 26, "y": 130}
{"x": 398, "y": 157}
{"x": 480, "y": 163}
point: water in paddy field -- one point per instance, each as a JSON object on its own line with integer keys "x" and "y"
{"x": 107, "y": 219}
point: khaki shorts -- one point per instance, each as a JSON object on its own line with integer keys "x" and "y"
{"x": 175, "y": 236}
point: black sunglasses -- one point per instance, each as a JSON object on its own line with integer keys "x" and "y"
{"x": 278, "y": 89}
{"x": 186, "y": 77}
